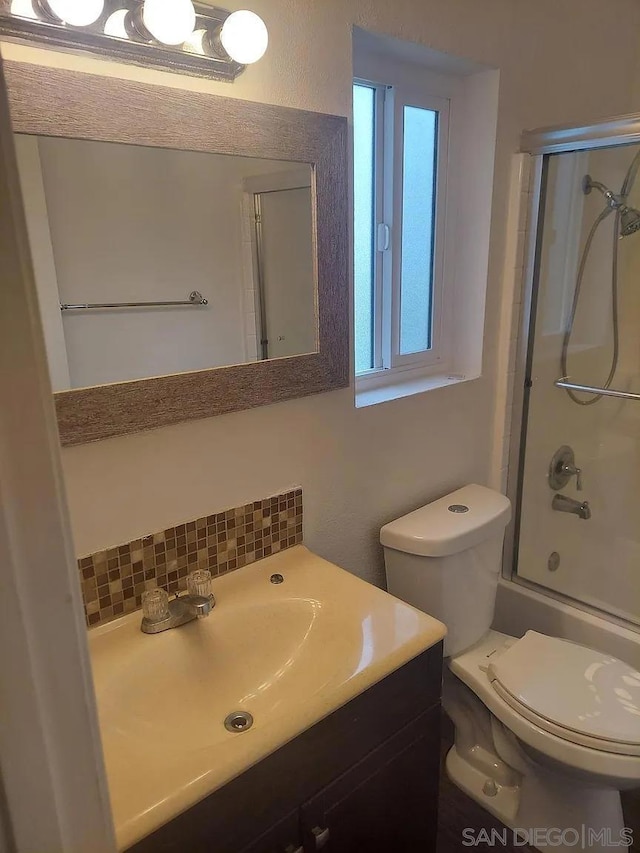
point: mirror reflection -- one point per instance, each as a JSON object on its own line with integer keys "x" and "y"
{"x": 118, "y": 231}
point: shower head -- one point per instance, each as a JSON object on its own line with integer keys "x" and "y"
{"x": 629, "y": 221}
{"x": 629, "y": 216}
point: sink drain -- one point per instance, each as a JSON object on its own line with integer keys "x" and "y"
{"x": 239, "y": 721}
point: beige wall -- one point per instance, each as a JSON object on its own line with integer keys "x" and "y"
{"x": 559, "y": 62}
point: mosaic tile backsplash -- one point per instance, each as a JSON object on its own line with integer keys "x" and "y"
{"x": 113, "y": 580}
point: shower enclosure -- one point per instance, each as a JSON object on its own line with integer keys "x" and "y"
{"x": 577, "y": 474}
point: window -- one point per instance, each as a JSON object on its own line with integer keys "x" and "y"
{"x": 425, "y": 128}
{"x": 400, "y": 170}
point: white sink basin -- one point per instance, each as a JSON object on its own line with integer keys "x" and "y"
{"x": 289, "y": 654}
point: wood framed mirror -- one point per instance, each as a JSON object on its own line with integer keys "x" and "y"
{"x": 69, "y": 120}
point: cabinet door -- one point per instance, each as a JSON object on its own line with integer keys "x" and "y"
{"x": 388, "y": 803}
{"x": 284, "y": 837}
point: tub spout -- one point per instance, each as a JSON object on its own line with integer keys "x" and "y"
{"x": 562, "y": 503}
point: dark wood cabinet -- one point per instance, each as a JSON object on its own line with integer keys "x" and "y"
{"x": 363, "y": 780}
{"x": 284, "y": 837}
{"x": 387, "y": 803}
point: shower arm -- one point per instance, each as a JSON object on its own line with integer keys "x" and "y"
{"x": 614, "y": 201}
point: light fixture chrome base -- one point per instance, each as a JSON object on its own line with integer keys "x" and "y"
{"x": 42, "y": 8}
{"x": 134, "y": 26}
{"x": 138, "y": 49}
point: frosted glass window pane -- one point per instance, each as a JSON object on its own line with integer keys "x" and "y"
{"x": 418, "y": 228}
{"x": 364, "y": 211}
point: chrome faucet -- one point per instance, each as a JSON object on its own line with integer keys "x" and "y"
{"x": 562, "y": 503}
{"x": 573, "y": 471}
{"x": 562, "y": 468}
{"x": 160, "y": 614}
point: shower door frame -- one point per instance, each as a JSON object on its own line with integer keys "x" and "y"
{"x": 538, "y": 144}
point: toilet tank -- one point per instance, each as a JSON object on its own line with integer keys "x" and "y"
{"x": 445, "y": 560}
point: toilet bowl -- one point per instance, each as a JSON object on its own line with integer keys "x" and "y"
{"x": 547, "y": 732}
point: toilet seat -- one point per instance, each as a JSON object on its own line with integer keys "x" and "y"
{"x": 471, "y": 667}
{"x": 574, "y": 692}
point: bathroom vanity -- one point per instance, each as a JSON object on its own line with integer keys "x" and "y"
{"x": 363, "y": 779}
{"x": 342, "y": 685}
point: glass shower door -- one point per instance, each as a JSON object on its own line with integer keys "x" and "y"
{"x": 579, "y": 528}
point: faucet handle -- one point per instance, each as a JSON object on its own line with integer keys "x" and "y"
{"x": 570, "y": 469}
{"x": 199, "y": 583}
{"x": 155, "y": 604}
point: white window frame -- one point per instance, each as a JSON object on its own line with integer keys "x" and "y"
{"x": 389, "y": 364}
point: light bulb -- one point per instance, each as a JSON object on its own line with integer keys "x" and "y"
{"x": 23, "y": 9}
{"x": 114, "y": 25}
{"x": 195, "y": 42}
{"x": 245, "y": 37}
{"x": 76, "y": 13}
{"x": 169, "y": 21}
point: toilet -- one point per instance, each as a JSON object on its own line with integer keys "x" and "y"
{"x": 547, "y": 732}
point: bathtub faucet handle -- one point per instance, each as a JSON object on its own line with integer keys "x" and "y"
{"x": 574, "y": 472}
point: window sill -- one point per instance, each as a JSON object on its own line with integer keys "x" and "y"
{"x": 381, "y": 388}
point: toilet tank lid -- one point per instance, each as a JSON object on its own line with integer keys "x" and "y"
{"x": 458, "y": 521}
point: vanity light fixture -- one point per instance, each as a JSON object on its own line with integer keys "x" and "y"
{"x": 179, "y": 35}
{"x": 116, "y": 24}
{"x": 244, "y": 36}
{"x": 169, "y": 22}
{"x": 75, "y": 13}
{"x": 23, "y": 9}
